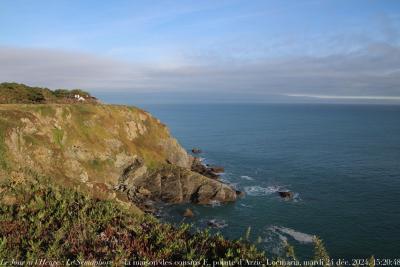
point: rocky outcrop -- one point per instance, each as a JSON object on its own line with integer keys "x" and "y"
{"x": 100, "y": 148}
{"x": 199, "y": 167}
{"x": 172, "y": 184}
{"x": 188, "y": 213}
{"x": 196, "y": 151}
{"x": 286, "y": 194}
{"x": 217, "y": 169}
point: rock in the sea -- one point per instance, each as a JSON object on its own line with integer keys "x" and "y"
{"x": 188, "y": 213}
{"x": 196, "y": 151}
{"x": 199, "y": 167}
{"x": 174, "y": 184}
{"x": 217, "y": 169}
{"x": 285, "y": 194}
{"x": 216, "y": 223}
{"x": 240, "y": 193}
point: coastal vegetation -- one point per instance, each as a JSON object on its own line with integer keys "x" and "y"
{"x": 40, "y": 220}
{"x": 13, "y": 93}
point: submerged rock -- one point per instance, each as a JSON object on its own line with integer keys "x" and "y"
{"x": 196, "y": 151}
{"x": 240, "y": 193}
{"x": 188, "y": 213}
{"x": 217, "y": 223}
{"x": 286, "y": 194}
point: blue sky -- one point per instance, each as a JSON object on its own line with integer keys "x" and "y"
{"x": 254, "y": 50}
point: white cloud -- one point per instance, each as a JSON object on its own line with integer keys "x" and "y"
{"x": 347, "y": 97}
{"x": 373, "y": 71}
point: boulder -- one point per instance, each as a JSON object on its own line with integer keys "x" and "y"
{"x": 188, "y": 213}
{"x": 196, "y": 151}
{"x": 199, "y": 167}
{"x": 217, "y": 169}
{"x": 143, "y": 191}
{"x": 285, "y": 194}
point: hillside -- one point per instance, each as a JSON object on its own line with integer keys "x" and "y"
{"x": 107, "y": 151}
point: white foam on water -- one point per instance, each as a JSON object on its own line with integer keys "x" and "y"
{"x": 248, "y": 178}
{"x": 296, "y": 197}
{"x": 296, "y": 235}
{"x": 217, "y": 223}
{"x": 261, "y": 191}
{"x": 215, "y": 203}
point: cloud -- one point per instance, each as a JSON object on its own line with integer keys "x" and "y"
{"x": 347, "y": 97}
{"x": 368, "y": 72}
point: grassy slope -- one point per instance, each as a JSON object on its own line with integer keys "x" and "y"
{"x": 58, "y": 127}
{"x": 34, "y": 131}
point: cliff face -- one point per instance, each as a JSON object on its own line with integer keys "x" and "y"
{"x": 108, "y": 151}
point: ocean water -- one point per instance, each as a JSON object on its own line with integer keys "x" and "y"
{"x": 341, "y": 161}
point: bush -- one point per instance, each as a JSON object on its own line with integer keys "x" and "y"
{"x": 15, "y": 93}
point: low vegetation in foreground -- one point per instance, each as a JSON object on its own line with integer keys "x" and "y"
{"x": 41, "y": 220}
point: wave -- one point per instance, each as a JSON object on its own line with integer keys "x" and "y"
{"x": 261, "y": 191}
{"x": 216, "y": 223}
{"x": 284, "y": 232}
{"x": 214, "y": 203}
{"x": 248, "y": 178}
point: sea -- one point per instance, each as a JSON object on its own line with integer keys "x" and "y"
{"x": 342, "y": 162}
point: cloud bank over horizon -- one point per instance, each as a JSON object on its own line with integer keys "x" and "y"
{"x": 204, "y": 57}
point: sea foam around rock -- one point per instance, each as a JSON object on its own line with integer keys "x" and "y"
{"x": 261, "y": 191}
{"x": 248, "y": 178}
{"x": 284, "y": 232}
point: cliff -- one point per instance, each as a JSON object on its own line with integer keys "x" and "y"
{"x": 107, "y": 151}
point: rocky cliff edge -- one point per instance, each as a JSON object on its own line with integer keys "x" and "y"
{"x": 108, "y": 151}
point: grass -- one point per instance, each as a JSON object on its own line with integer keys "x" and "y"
{"x": 58, "y": 135}
{"x": 43, "y": 220}
{"x": 3, "y": 151}
{"x": 46, "y": 110}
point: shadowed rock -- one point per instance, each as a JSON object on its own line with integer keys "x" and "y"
{"x": 173, "y": 184}
{"x": 196, "y": 151}
{"x": 217, "y": 169}
{"x": 199, "y": 167}
{"x": 286, "y": 194}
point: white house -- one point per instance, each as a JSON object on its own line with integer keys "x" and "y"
{"x": 79, "y": 98}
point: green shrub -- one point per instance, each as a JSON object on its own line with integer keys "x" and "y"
{"x": 15, "y": 93}
{"x": 52, "y": 222}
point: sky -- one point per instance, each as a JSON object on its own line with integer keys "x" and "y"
{"x": 206, "y": 51}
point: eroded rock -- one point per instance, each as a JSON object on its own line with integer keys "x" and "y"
{"x": 173, "y": 184}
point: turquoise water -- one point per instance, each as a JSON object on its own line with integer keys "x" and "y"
{"x": 342, "y": 162}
